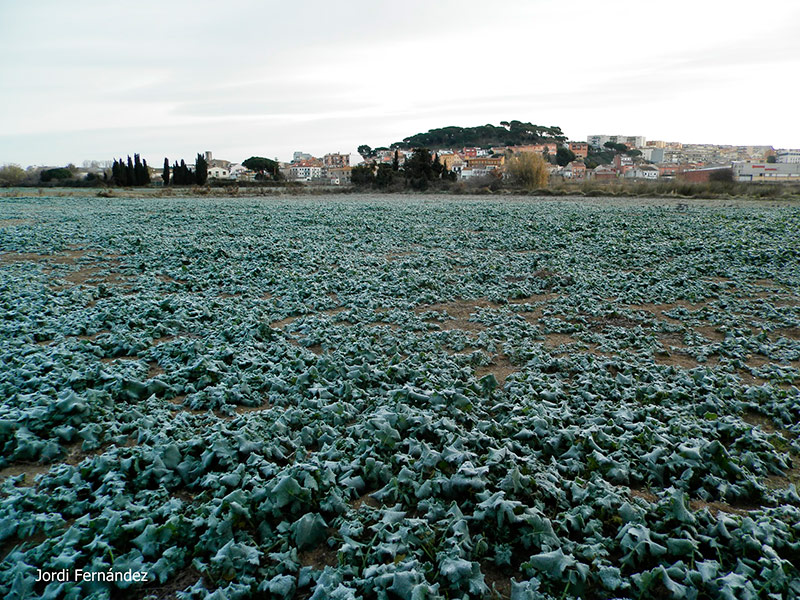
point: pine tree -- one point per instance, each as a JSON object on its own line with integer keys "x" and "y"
{"x": 165, "y": 172}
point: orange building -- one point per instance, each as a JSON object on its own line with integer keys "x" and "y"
{"x": 580, "y": 149}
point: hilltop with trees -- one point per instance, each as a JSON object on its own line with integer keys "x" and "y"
{"x": 508, "y": 133}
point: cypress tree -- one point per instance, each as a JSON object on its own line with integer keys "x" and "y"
{"x": 138, "y": 176}
{"x": 145, "y": 173}
{"x": 437, "y": 167}
{"x": 165, "y": 172}
{"x": 396, "y": 161}
{"x": 130, "y": 175}
{"x": 201, "y": 170}
{"x": 123, "y": 173}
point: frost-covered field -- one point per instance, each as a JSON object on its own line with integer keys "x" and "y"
{"x": 399, "y": 397}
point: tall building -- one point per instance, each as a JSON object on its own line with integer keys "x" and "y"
{"x": 336, "y": 160}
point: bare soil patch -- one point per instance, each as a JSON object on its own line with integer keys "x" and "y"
{"x": 534, "y": 298}
{"x": 558, "y": 339}
{"x": 243, "y": 410}
{"x": 614, "y": 320}
{"x": 65, "y": 258}
{"x": 501, "y": 367}
{"x": 659, "y": 309}
{"x": 167, "y": 591}
{"x": 318, "y": 558}
{"x": 711, "y": 333}
{"x": 789, "y": 332}
{"x": 460, "y": 312}
{"x": 14, "y": 222}
{"x": 364, "y": 499}
{"x": 154, "y": 369}
{"x": 27, "y": 469}
{"x": 716, "y": 507}
{"x": 644, "y": 494}
{"x": 764, "y": 422}
{"x": 498, "y": 579}
{"x": 676, "y": 358}
{"x": 283, "y": 322}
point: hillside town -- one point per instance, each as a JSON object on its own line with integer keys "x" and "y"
{"x": 599, "y": 158}
{"x": 640, "y": 160}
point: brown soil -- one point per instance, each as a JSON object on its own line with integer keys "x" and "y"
{"x": 318, "y": 558}
{"x": 789, "y": 332}
{"x": 154, "y": 369}
{"x": 716, "y": 507}
{"x": 93, "y": 336}
{"x": 460, "y": 311}
{"x": 676, "y": 358}
{"x": 500, "y": 367}
{"x": 599, "y": 323}
{"x": 242, "y": 410}
{"x": 14, "y": 222}
{"x": 671, "y": 338}
{"x": 29, "y": 470}
{"x": 364, "y": 499}
{"x": 535, "y": 298}
{"x": 168, "y": 279}
{"x": 169, "y": 590}
{"x": 645, "y": 494}
{"x": 558, "y": 339}
{"x": 498, "y": 579}
{"x": 659, "y": 309}
{"x": 64, "y": 258}
{"x": 711, "y": 333}
{"x": 778, "y": 482}
{"x": 754, "y": 418}
{"x": 283, "y": 322}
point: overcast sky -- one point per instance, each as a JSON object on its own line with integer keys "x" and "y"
{"x": 93, "y": 80}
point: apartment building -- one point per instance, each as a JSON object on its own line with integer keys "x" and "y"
{"x": 631, "y": 141}
{"x": 336, "y": 160}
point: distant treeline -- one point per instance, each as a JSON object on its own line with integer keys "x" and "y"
{"x": 135, "y": 173}
{"x": 509, "y": 133}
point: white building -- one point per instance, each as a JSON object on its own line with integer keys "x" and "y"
{"x": 304, "y": 172}
{"x": 788, "y": 156}
{"x": 766, "y": 172}
{"x": 643, "y": 172}
{"x": 655, "y": 155}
